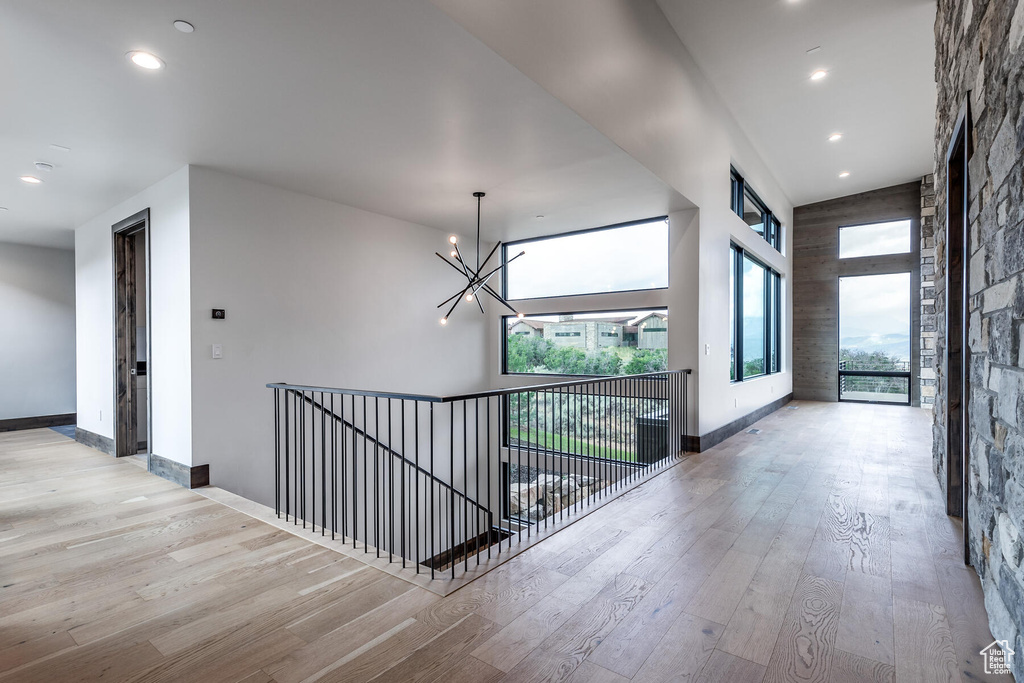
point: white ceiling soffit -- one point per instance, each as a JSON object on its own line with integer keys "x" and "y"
{"x": 387, "y": 106}
{"x": 879, "y": 92}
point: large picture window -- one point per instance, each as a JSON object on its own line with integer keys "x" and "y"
{"x": 619, "y": 258}
{"x": 608, "y": 343}
{"x": 755, "y": 315}
{"x": 748, "y": 206}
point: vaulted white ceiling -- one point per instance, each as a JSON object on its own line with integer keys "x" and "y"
{"x": 879, "y": 92}
{"x": 387, "y": 106}
{"x": 393, "y": 107}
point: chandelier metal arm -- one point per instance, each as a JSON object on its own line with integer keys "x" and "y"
{"x": 477, "y": 279}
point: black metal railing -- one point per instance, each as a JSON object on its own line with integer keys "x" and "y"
{"x": 434, "y": 482}
{"x": 891, "y": 385}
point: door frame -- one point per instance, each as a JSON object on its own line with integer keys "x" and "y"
{"x": 957, "y": 352}
{"x": 125, "y": 416}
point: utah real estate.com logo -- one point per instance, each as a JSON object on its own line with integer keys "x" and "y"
{"x": 997, "y": 657}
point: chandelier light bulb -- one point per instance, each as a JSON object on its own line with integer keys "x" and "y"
{"x": 520, "y": 315}
{"x": 454, "y": 253}
{"x": 469, "y": 297}
{"x": 444, "y": 321}
{"x": 453, "y": 239}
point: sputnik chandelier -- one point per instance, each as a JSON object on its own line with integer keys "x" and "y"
{"x": 476, "y": 278}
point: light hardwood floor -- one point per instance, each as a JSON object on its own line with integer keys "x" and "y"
{"x": 816, "y": 550}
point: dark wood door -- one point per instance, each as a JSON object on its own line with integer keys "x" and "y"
{"x": 957, "y": 348}
{"x": 125, "y": 391}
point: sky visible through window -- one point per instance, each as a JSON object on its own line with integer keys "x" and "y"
{"x": 874, "y": 239}
{"x": 612, "y": 260}
{"x": 874, "y": 314}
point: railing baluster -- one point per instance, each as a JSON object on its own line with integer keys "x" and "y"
{"x": 431, "y": 484}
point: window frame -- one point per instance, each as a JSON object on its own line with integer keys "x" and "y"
{"x": 771, "y": 227}
{"x": 506, "y": 246}
{"x": 772, "y": 315}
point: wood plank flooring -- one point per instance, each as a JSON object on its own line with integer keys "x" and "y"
{"x": 816, "y": 550}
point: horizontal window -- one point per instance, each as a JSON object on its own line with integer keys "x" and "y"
{"x": 754, "y": 212}
{"x": 874, "y": 239}
{"x": 610, "y": 343}
{"x": 614, "y": 259}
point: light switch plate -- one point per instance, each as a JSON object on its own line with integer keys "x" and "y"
{"x": 216, "y": 351}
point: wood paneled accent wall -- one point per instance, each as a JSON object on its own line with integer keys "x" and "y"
{"x": 816, "y": 272}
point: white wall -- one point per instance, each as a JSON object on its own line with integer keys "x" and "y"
{"x": 625, "y": 71}
{"x": 37, "y": 336}
{"x": 170, "y": 367}
{"x": 315, "y": 293}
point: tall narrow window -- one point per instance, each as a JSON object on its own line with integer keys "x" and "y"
{"x": 755, "y": 314}
{"x": 754, "y": 328}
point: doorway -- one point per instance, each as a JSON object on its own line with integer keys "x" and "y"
{"x": 957, "y": 348}
{"x": 132, "y": 405}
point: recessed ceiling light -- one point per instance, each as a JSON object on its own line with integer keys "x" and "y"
{"x": 539, "y": 216}
{"x": 30, "y": 179}
{"x": 184, "y": 26}
{"x": 816, "y": 48}
{"x": 3, "y": 208}
{"x": 818, "y": 75}
{"x": 60, "y": 148}
{"x": 44, "y": 166}
{"x": 835, "y": 137}
{"x": 844, "y": 174}
{"x": 146, "y": 60}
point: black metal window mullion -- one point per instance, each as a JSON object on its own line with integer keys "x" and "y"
{"x": 737, "y": 265}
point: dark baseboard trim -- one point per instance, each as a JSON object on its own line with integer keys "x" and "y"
{"x": 182, "y": 475}
{"x": 696, "y": 444}
{"x": 93, "y": 440}
{"x": 16, "y": 424}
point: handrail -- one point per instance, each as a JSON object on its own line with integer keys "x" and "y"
{"x": 874, "y": 373}
{"x": 482, "y": 394}
{"x": 362, "y": 433}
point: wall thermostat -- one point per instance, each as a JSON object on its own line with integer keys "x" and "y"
{"x": 218, "y": 314}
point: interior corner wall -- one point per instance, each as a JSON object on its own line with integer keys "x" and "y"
{"x": 660, "y": 109}
{"x": 315, "y": 293}
{"x": 37, "y": 336}
{"x": 169, "y": 370}
{"x": 980, "y": 57}
{"x": 816, "y": 272}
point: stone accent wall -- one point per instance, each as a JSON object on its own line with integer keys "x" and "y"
{"x": 927, "y": 376}
{"x": 980, "y": 50}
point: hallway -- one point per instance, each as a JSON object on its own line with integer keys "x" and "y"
{"x": 814, "y": 550}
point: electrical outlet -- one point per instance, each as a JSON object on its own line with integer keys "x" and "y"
{"x": 707, "y": 349}
{"x": 735, "y": 403}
